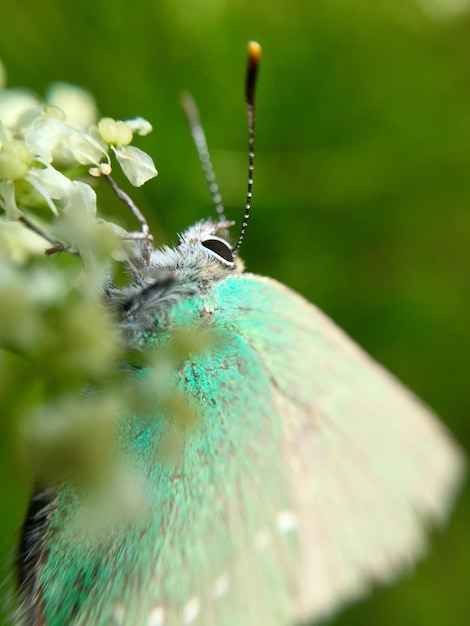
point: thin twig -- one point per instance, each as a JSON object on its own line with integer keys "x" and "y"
{"x": 145, "y": 235}
{"x": 57, "y": 246}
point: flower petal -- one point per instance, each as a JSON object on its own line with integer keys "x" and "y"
{"x": 136, "y": 164}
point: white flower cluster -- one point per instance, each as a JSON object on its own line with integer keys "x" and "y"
{"x": 46, "y": 146}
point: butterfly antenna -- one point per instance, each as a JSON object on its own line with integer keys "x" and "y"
{"x": 190, "y": 108}
{"x": 254, "y": 55}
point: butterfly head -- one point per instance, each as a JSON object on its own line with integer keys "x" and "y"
{"x": 203, "y": 252}
{"x": 203, "y": 256}
{"x": 212, "y": 238}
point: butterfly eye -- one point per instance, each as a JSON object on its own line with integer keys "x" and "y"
{"x": 220, "y": 248}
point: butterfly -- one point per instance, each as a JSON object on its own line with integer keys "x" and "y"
{"x": 307, "y": 475}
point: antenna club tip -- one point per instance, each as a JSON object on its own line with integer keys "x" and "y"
{"x": 254, "y": 51}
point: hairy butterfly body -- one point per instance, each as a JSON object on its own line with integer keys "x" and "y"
{"x": 307, "y": 475}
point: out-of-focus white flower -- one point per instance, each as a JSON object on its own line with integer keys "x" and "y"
{"x": 44, "y": 137}
{"x": 81, "y": 199}
{"x": 14, "y": 102}
{"x": 8, "y": 200}
{"x": 27, "y": 120}
{"x": 77, "y": 103}
{"x": 50, "y": 184}
{"x": 136, "y": 164}
{"x": 128, "y": 249}
{"x": 18, "y": 244}
{"x": 15, "y": 160}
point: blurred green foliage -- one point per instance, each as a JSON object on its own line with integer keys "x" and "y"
{"x": 362, "y": 186}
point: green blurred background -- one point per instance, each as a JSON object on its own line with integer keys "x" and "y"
{"x": 362, "y": 186}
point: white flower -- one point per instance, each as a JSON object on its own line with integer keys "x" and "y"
{"x": 77, "y": 104}
{"x": 139, "y": 126}
{"x": 136, "y": 164}
{"x": 18, "y": 244}
{"x": 50, "y": 184}
{"x": 81, "y": 198}
{"x": 103, "y": 169}
{"x": 15, "y": 160}
{"x": 8, "y": 200}
{"x": 52, "y": 139}
{"x": 14, "y": 102}
{"x": 39, "y": 142}
{"x": 44, "y": 137}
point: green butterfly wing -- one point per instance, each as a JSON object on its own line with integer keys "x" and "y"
{"x": 310, "y": 473}
{"x": 368, "y": 464}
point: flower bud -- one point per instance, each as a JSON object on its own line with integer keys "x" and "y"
{"x": 115, "y": 132}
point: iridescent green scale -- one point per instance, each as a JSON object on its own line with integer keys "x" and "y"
{"x": 309, "y": 473}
